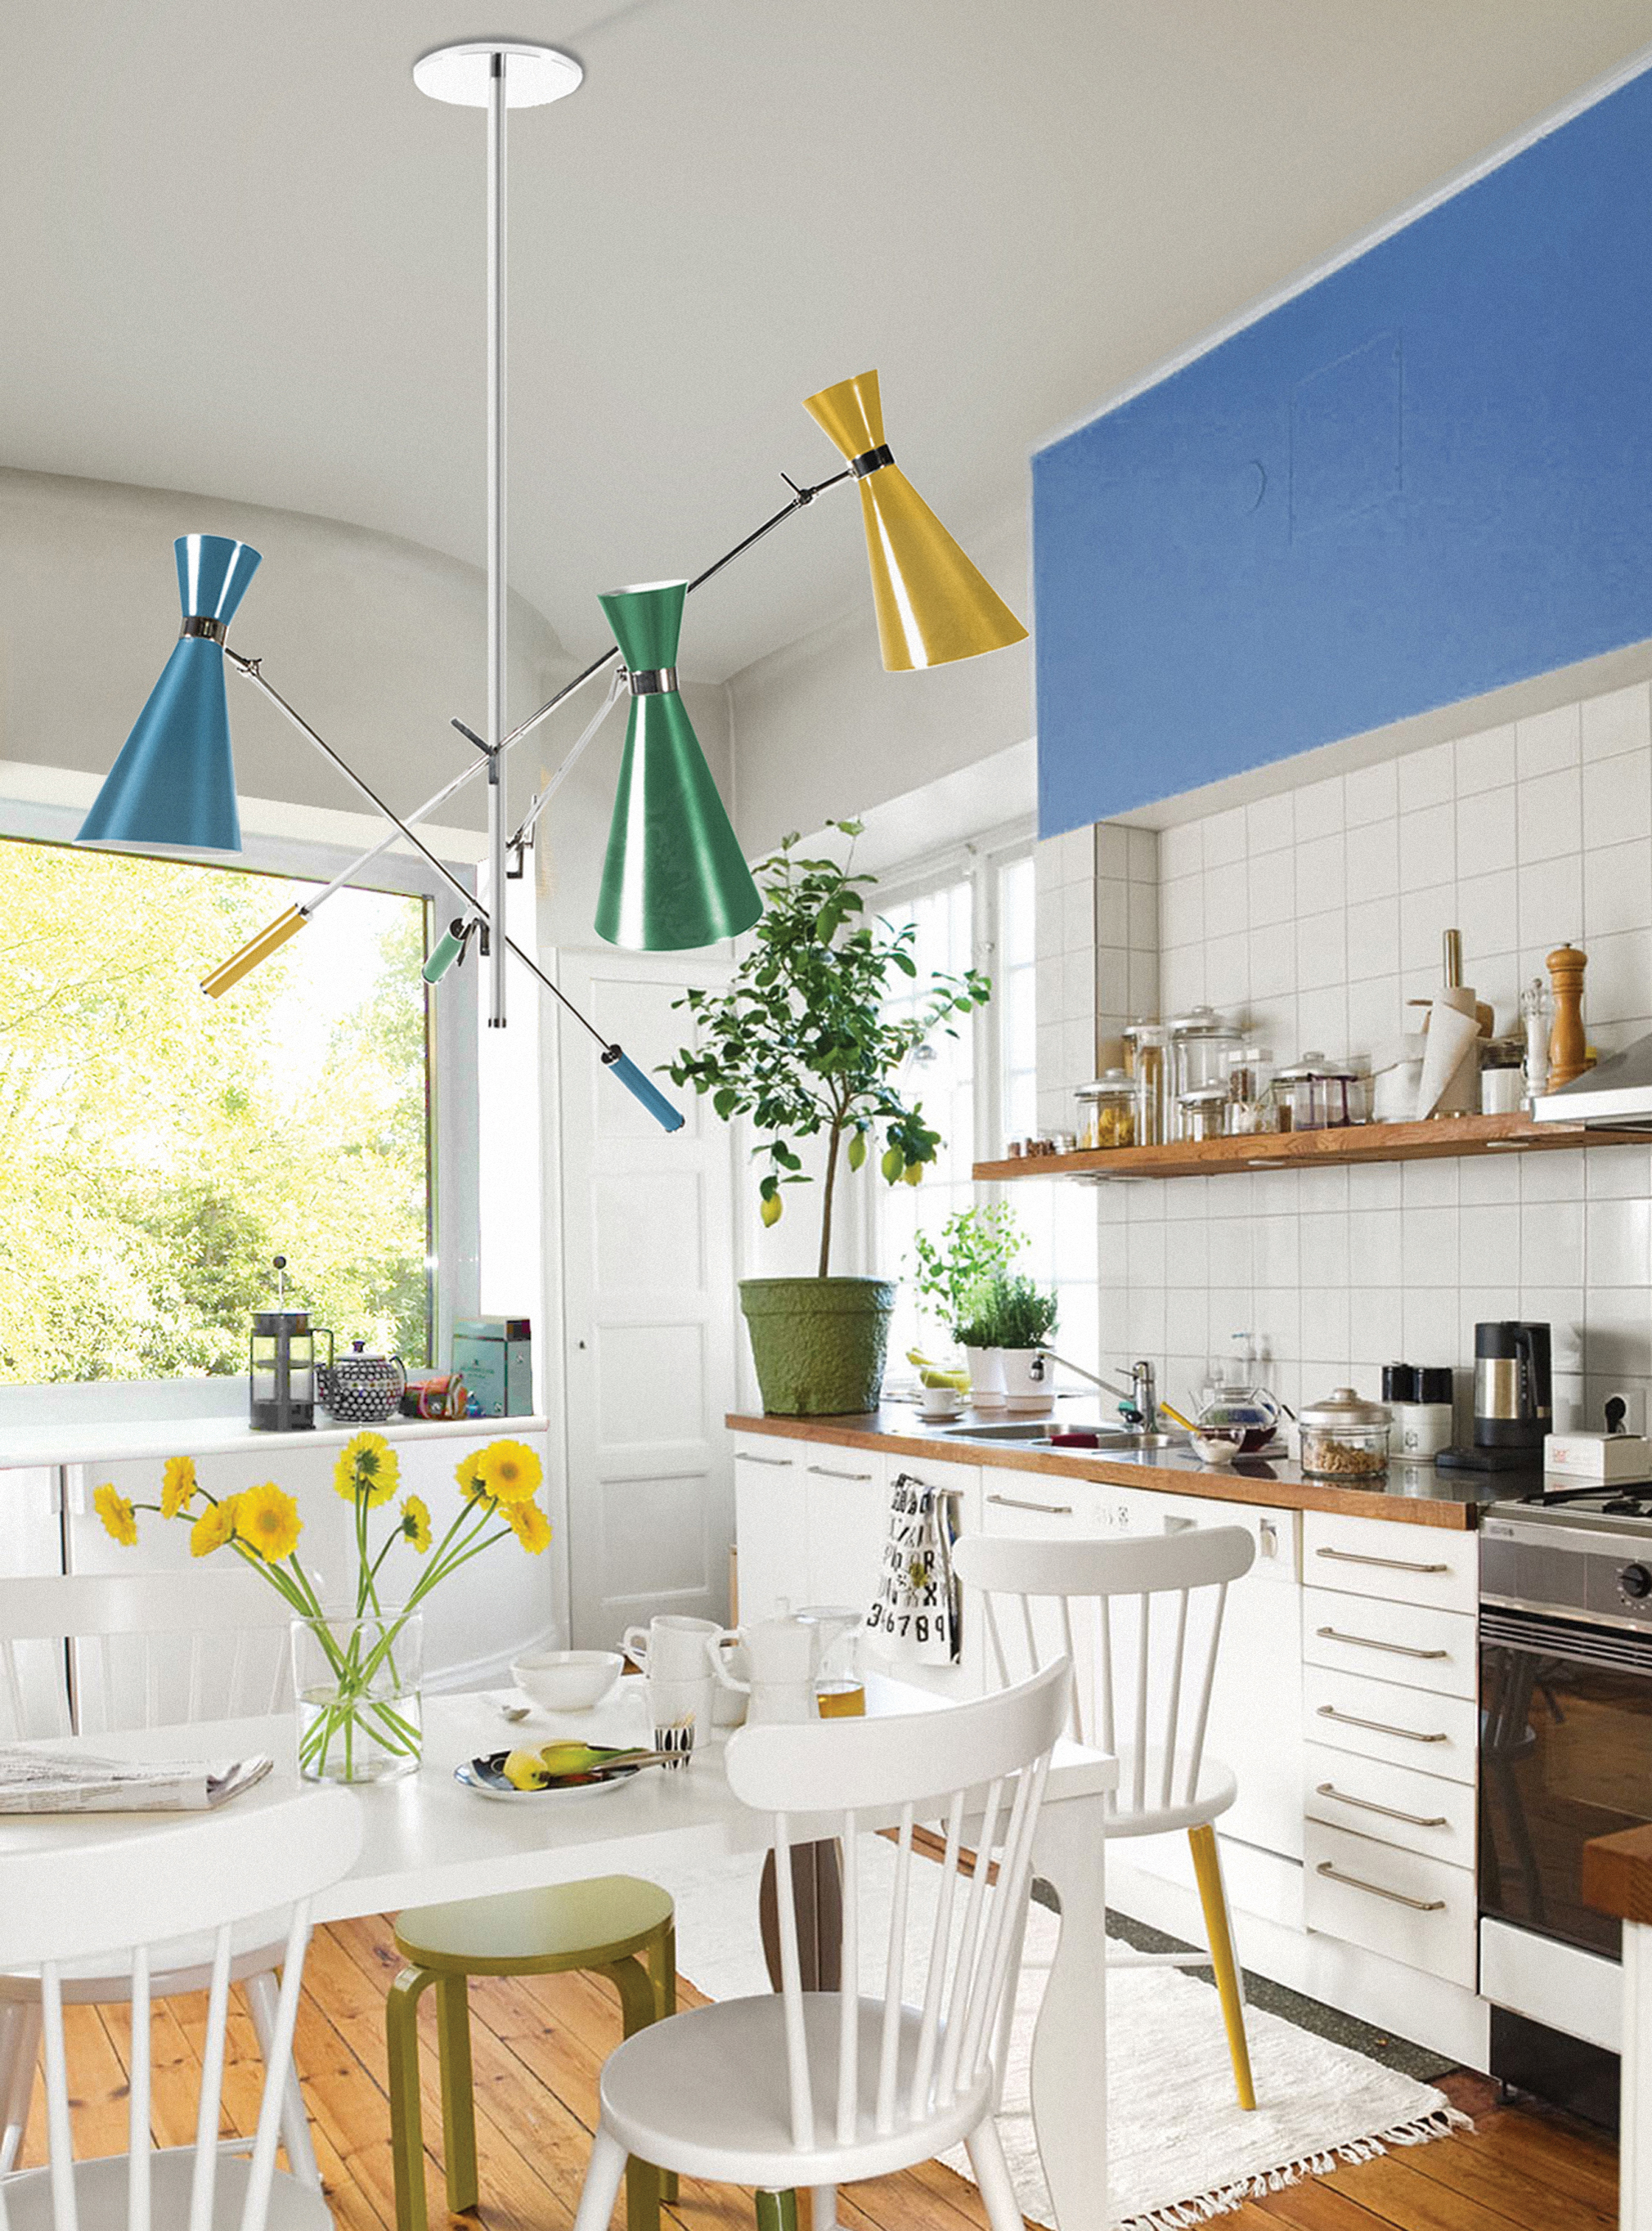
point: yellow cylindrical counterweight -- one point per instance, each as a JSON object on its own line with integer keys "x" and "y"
{"x": 255, "y": 949}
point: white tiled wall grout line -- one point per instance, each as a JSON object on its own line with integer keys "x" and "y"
{"x": 1318, "y": 914}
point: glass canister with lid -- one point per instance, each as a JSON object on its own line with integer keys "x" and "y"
{"x": 1345, "y": 1438}
{"x": 1250, "y": 1097}
{"x": 1202, "y": 1113}
{"x": 1146, "y": 1058}
{"x": 1200, "y": 1041}
{"x": 1107, "y": 1110}
{"x": 1317, "y": 1095}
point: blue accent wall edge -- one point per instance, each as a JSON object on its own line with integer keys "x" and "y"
{"x": 1427, "y": 477}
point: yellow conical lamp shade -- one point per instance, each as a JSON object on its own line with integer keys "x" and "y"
{"x": 933, "y": 606}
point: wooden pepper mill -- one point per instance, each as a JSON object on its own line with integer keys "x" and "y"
{"x": 1568, "y": 1055}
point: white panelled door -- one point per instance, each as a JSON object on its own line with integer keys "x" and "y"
{"x": 649, "y": 1310}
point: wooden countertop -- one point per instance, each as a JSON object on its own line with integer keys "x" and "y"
{"x": 1617, "y": 1874}
{"x": 1416, "y": 1495}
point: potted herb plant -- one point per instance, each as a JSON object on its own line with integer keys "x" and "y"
{"x": 954, "y": 1275}
{"x": 1020, "y": 1315}
{"x": 802, "y": 1043}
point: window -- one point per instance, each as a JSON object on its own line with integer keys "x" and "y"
{"x": 157, "y": 1149}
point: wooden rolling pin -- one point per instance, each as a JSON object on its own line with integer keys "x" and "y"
{"x": 1568, "y": 1056}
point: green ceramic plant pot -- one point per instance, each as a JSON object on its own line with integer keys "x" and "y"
{"x": 818, "y": 1344}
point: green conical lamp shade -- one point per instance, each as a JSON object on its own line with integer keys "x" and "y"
{"x": 675, "y": 875}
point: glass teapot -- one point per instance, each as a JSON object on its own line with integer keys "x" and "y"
{"x": 1235, "y": 1400}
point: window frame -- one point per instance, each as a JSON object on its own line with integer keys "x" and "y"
{"x": 452, "y": 1100}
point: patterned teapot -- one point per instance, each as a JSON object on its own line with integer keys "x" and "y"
{"x": 361, "y": 1389}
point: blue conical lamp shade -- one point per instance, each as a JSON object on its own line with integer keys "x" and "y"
{"x": 174, "y": 782}
{"x": 675, "y": 875}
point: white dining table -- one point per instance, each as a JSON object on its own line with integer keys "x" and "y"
{"x": 426, "y": 1838}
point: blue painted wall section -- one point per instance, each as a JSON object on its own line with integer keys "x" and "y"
{"x": 1428, "y": 475}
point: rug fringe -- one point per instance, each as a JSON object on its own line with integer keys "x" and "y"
{"x": 1205, "y": 2207}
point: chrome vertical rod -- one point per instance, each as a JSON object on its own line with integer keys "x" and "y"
{"x": 496, "y": 892}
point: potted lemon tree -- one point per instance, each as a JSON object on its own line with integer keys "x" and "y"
{"x": 800, "y": 1042}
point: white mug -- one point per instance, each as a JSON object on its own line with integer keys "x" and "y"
{"x": 671, "y": 1646}
{"x": 783, "y": 1657}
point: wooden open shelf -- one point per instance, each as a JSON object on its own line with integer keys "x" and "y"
{"x": 1315, "y": 1150}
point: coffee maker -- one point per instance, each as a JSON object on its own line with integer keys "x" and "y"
{"x": 1513, "y": 1399}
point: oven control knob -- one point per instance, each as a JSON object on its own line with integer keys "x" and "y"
{"x": 1634, "y": 1582}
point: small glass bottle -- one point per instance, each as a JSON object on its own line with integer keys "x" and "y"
{"x": 1148, "y": 1043}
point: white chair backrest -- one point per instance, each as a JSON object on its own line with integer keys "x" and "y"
{"x": 116, "y": 1901}
{"x": 979, "y": 1770}
{"x": 84, "y": 1653}
{"x": 1141, "y": 1618}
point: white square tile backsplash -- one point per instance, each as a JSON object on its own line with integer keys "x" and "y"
{"x": 1316, "y": 915}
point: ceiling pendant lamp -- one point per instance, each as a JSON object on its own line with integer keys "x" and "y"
{"x": 675, "y": 875}
{"x": 933, "y": 606}
{"x": 174, "y": 780}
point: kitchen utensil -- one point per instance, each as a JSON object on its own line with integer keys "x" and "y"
{"x": 940, "y": 1401}
{"x": 281, "y": 1359}
{"x": 682, "y": 1713}
{"x": 1346, "y": 1438}
{"x": 1569, "y": 1055}
{"x": 839, "y": 1692}
{"x": 783, "y": 1656}
{"x": 1218, "y": 1447}
{"x": 567, "y": 1680}
{"x": 1420, "y": 1398}
{"x": 485, "y": 1777}
{"x": 361, "y": 1389}
{"x": 1514, "y": 1387}
{"x": 671, "y": 1646}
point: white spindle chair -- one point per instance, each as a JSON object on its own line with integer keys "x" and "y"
{"x": 818, "y": 2089}
{"x": 118, "y": 1907}
{"x": 1144, "y": 1645}
{"x": 91, "y": 1653}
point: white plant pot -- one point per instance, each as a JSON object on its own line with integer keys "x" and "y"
{"x": 986, "y": 1369}
{"x": 1029, "y": 1379}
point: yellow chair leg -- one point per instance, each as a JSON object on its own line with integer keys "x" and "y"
{"x": 1206, "y": 1867}
{"x": 662, "y": 1968}
{"x": 406, "y": 2122}
{"x": 458, "y": 2093}
{"x": 638, "y": 2005}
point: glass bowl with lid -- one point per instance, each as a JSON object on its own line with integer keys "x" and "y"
{"x": 1346, "y": 1438}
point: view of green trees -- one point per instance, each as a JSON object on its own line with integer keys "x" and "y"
{"x": 158, "y": 1147}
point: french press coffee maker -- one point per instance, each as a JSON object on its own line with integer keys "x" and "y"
{"x": 282, "y": 1358}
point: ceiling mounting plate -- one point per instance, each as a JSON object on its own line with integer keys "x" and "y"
{"x": 535, "y": 75}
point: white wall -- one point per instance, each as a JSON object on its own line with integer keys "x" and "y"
{"x": 1318, "y": 913}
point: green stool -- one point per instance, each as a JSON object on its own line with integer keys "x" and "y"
{"x": 614, "y": 1926}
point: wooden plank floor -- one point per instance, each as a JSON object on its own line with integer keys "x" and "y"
{"x": 538, "y": 2048}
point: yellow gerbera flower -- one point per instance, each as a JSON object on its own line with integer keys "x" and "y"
{"x": 268, "y": 1521}
{"x": 177, "y": 1486}
{"x": 214, "y": 1528}
{"x": 531, "y": 1526}
{"x": 119, "y": 1518}
{"x": 472, "y": 1486}
{"x": 370, "y": 1465}
{"x": 509, "y": 1470}
{"x": 416, "y": 1524}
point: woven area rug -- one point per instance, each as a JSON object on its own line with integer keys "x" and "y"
{"x": 1180, "y": 2151}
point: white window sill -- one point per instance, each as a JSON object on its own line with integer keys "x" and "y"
{"x": 122, "y": 1440}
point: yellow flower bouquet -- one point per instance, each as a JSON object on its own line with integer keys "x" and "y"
{"x": 356, "y": 1668}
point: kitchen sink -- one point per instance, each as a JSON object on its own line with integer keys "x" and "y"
{"x": 1034, "y": 1433}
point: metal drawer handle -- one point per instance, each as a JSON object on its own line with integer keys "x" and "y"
{"x": 1388, "y": 1812}
{"x": 1399, "y": 1898}
{"x": 1377, "y": 1727}
{"x": 1051, "y": 1509}
{"x": 1368, "y": 1642}
{"x": 785, "y": 1463}
{"x": 1387, "y": 1564}
{"x": 830, "y": 1471}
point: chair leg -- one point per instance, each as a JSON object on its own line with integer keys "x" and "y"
{"x": 638, "y": 2004}
{"x": 263, "y": 2004}
{"x": 1213, "y": 1897}
{"x": 662, "y": 1966}
{"x": 601, "y": 2186}
{"x": 986, "y": 2153}
{"x": 407, "y": 2120}
{"x": 823, "y": 2208}
{"x": 20, "y": 2027}
{"x": 776, "y": 2211}
{"x": 458, "y": 2093}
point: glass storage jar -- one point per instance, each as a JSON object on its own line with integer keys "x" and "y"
{"x": 1250, "y": 1100}
{"x": 1107, "y": 1110}
{"x": 1199, "y": 1042}
{"x": 1345, "y": 1438}
{"x": 1320, "y": 1095}
{"x": 1146, "y": 1056}
{"x": 1203, "y": 1113}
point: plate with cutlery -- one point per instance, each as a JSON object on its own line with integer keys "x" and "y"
{"x": 568, "y": 1770}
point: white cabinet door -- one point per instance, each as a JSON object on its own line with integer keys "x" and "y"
{"x": 846, "y": 1503}
{"x": 771, "y": 1525}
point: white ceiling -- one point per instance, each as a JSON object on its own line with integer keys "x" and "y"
{"x": 240, "y": 256}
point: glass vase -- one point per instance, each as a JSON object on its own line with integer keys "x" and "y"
{"x": 356, "y": 1680}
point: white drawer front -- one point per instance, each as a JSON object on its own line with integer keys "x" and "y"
{"x": 1390, "y": 1804}
{"x": 1379, "y": 1719}
{"x": 1379, "y": 1557}
{"x": 1413, "y": 1644}
{"x": 1416, "y": 1910}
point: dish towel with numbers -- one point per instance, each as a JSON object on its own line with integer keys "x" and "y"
{"x": 914, "y": 1616}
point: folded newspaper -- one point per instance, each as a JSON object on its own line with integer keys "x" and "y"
{"x": 71, "y": 1782}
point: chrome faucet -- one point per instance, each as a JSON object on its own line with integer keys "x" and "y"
{"x": 1141, "y": 1396}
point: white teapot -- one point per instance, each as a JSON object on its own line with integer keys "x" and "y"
{"x": 783, "y": 1656}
